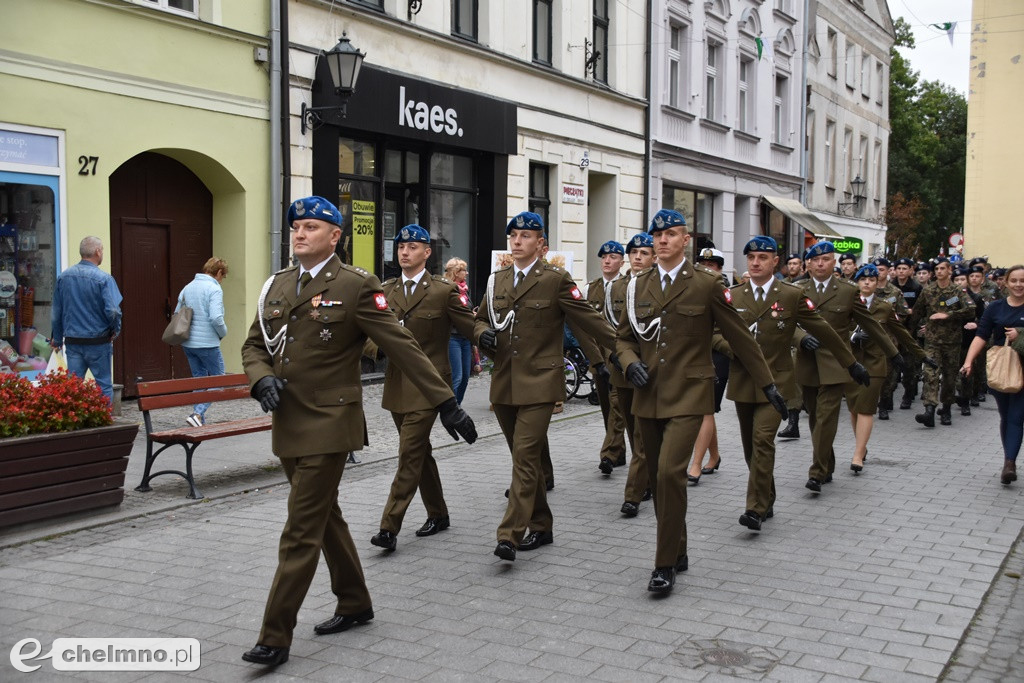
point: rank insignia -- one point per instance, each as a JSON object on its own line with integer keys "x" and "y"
{"x": 380, "y": 301}
{"x": 325, "y": 335}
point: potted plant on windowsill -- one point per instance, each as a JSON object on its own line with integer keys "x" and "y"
{"x": 60, "y": 449}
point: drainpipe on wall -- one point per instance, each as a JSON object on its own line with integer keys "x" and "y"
{"x": 281, "y": 216}
{"x": 648, "y": 122}
{"x": 804, "y": 96}
{"x": 275, "y": 133}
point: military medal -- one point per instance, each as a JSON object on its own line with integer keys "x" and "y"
{"x": 314, "y": 314}
{"x": 315, "y": 303}
{"x": 325, "y": 335}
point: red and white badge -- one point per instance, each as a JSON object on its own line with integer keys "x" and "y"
{"x": 576, "y": 294}
{"x": 810, "y": 304}
{"x": 728, "y": 295}
{"x": 464, "y": 299}
{"x": 380, "y": 301}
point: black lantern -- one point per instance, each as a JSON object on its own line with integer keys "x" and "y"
{"x": 344, "y": 62}
{"x": 856, "y": 186}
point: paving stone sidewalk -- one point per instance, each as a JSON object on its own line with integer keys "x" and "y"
{"x": 876, "y": 579}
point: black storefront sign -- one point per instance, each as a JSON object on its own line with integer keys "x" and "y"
{"x": 401, "y": 106}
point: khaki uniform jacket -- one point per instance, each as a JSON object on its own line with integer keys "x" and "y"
{"x": 528, "y": 366}
{"x": 842, "y": 308}
{"x": 869, "y": 354}
{"x": 892, "y": 295}
{"x": 678, "y": 358}
{"x": 774, "y": 322}
{"x": 321, "y": 408}
{"x": 596, "y": 299}
{"x": 613, "y": 316}
{"x": 436, "y": 307}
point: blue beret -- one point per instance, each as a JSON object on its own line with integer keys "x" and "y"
{"x": 314, "y": 207}
{"x": 882, "y": 261}
{"x": 527, "y": 220}
{"x": 610, "y": 247}
{"x": 998, "y": 272}
{"x": 923, "y": 266}
{"x": 905, "y": 262}
{"x": 977, "y": 268}
{"x": 795, "y": 255}
{"x": 978, "y": 259}
{"x": 847, "y": 257}
{"x": 960, "y": 270}
{"x": 412, "y": 233}
{"x": 638, "y": 241}
{"x": 823, "y": 247}
{"x": 761, "y": 243}
{"x": 941, "y": 259}
{"x": 868, "y": 270}
{"x": 666, "y": 218}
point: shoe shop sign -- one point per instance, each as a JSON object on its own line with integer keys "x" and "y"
{"x": 402, "y": 106}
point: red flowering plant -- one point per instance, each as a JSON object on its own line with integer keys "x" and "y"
{"x": 61, "y": 402}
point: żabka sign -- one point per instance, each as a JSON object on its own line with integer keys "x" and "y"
{"x": 848, "y": 245}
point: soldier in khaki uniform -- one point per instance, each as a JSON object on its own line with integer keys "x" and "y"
{"x": 521, "y": 322}
{"x": 888, "y": 292}
{"x": 302, "y": 358}
{"x": 428, "y": 306}
{"x": 772, "y": 310}
{"x": 664, "y": 342}
{"x": 819, "y": 373}
{"x": 613, "y": 449}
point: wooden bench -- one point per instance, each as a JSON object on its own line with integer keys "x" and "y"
{"x": 174, "y": 393}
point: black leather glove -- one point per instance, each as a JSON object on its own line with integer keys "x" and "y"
{"x": 898, "y": 362}
{"x": 636, "y": 373}
{"x": 859, "y": 374}
{"x": 930, "y": 362}
{"x": 775, "y": 398}
{"x": 810, "y": 343}
{"x": 859, "y": 337}
{"x": 489, "y": 340}
{"x": 615, "y": 361}
{"x": 267, "y": 392}
{"x": 602, "y": 371}
{"x": 456, "y": 421}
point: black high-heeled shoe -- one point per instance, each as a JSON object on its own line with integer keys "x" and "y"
{"x": 692, "y": 479}
{"x": 856, "y": 468}
{"x": 711, "y": 470}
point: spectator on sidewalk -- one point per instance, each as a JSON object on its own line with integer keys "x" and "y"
{"x": 460, "y": 349}
{"x": 86, "y": 316}
{"x": 202, "y": 348}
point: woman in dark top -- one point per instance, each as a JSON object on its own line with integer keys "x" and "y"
{"x": 1000, "y": 324}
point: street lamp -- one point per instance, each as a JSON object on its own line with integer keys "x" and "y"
{"x": 856, "y": 185}
{"x": 344, "y": 62}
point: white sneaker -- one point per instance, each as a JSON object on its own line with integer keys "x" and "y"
{"x": 195, "y": 420}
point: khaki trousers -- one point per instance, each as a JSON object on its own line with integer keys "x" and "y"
{"x": 314, "y": 524}
{"x": 668, "y": 444}
{"x": 822, "y": 404}
{"x": 637, "y": 480}
{"x": 526, "y": 431}
{"x": 758, "y": 424}
{"x": 416, "y": 469}
{"x": 614, "y": 445}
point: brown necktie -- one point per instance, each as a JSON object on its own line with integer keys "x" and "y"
{"x": 409, "y": 286}
{"x": 759, "y": 295}
{"x": 519, "y": 279}
{"x": 666, "y": 282}
{"x": 304, "y": 280}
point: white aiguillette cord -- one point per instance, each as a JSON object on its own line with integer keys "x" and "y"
{"x": 501, "y": 325}
{"x": 608, "y": 312}
{"x": 645, "y": 332}
{"x": 276, "y": 343}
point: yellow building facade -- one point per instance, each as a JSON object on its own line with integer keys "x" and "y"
{"x": 994, "y": 146}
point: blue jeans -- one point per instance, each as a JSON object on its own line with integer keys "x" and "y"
{"x": 1011, "y": 421}
{"x": 95, "y": 358}
{"x": 205, "y": 362}
{"x": 460, "y": 355}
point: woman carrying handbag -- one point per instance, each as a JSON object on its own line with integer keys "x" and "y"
{"x": 1003, "y": 323}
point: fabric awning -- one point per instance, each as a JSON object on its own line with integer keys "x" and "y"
{"x": 801, "y": 215}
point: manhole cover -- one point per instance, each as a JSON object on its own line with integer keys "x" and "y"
{"x": 726, "y": 657}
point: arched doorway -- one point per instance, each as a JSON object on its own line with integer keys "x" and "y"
{"x": 161, "y": 233}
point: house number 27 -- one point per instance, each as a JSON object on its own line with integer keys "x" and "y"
{"x": 88, "y": 165}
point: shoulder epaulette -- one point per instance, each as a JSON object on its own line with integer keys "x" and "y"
{"x": 285, "y": 270}
{"x": 548, "y": 266}
{"x": 355, "y": 269}
{"x": 503, "y": 268}
{"x": 389, "y": 281}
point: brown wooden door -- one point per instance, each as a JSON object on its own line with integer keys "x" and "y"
{"x": 161, "y": 226}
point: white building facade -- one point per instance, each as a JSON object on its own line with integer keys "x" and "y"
{"x": 467, "y": 112}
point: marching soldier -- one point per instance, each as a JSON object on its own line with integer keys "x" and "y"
{"x": 302, "y": 358}
{"x": 942, "y": 308}
{"x": 821, "y": 376}
{"x": 664, "y": 342}
{"x": 794, "y": 269}
{"x": 613, "y": 450}
{"x": 987, "y": 290}
{"x": 910, "y": 288}
{"x": 640, "y": 251}
{"x": 888, "y": 292}
{"x": 847, "y": 266}
{"x": 521, "y": 322}
{"x": 428, "y": 306}
{"x": 772, "y": 310}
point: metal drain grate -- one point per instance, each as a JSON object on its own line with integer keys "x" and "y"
{"x": 726, "y": 657}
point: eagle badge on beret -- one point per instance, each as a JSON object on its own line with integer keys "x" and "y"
{"x": 659, "y": 221}
{"x": 300, "y": 208}
{"x": 520, "y": 222}
{"x": 405, "y": 233}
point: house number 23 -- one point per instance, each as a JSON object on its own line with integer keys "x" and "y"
{"x": 87, "y": 165}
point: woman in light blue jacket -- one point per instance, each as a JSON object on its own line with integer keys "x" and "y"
{"x": 202, "y": 348}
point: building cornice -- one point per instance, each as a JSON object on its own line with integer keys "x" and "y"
{"x": 663, "y": 152}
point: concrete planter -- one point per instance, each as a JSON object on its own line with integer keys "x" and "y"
{"x": 46, "y": 475}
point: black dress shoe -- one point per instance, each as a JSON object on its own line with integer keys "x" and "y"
{"x": 770, "y": 513}
{"x": 646, "y": 496}
{"x": 662, "y": 580}
{"x": 751, "y": 520}
{"x": 267, "y": 656}
{"x": 433, "y": 525}
{"x": 630, "y": 509}
{"x": 606, "y": 466}
{"x": 692, "y": 479}
{"x": 506, "y": 493}
{"x": 827, "y": 479}
{"x": 621, "y": 461}
{"x": 536, "y": 539}
{"x": 506, "y": 551}
{"x": 682, "y": 563}
{"x": 385, "y": 539}
{"x": 343, "y": 622}
{"x": 814, "y": 485}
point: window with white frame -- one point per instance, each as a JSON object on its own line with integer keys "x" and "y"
{"x": 780, "y": 110}
{"x": 879, "y": 81}
{"x": 832, "y": 54}
{"x": 785, "y": 6}
{"x": 879, "y": 169}
{"x": 830, "y": 153}
{"x": 862, "y": 160}
{"x": 189, "y": 7}
{"x": 678, "y": 47}
{"x": 865, "y": 77}
{"x": 851, "y": 64}
{"x": 809, "y": 145}
{"x": 601, "y": 22}
{"x": 542, "y": 31}
{"x": 848, "y": 153}
{"x": 747, "y": 93}
{"x": 713, "y": 81}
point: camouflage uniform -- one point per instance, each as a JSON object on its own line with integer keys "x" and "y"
{"x": 942, "y": 338}
{"x": 912, "y": 375}
{"x": 979, "y": 373}
{"x": 892, "y": 295}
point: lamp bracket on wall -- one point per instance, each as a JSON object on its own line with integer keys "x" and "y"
{"x": 590, "y": 57}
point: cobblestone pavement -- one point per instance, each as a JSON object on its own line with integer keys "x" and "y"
{"x": 879, "y": 578}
